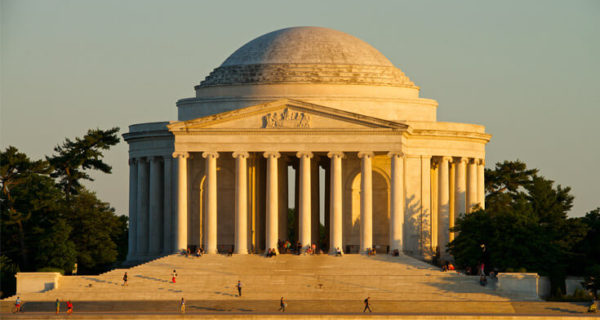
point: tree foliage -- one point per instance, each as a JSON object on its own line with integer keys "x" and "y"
{"x": 73, "y": 159}
{"x": 49, "y": 220}
{"x": 524, "y": 226}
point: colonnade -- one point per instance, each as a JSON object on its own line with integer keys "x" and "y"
{"x": 159, "y": 205}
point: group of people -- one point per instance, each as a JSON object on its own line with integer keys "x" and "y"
{"x": 19, "y": 306}
{"x": 271, "y": 253}
{"x": 447, "y": 266}
{"x": 371, "y": 251}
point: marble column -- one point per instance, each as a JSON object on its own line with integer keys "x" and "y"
{"x": 168, "y": 206}
{"x": 397, "y": 201}
{"x": 335, "y": 202}
{"x": 472, "y": 185}
{"x": 304, "y": 202}
{"x": 142, "y": 208}
{"x": 241, "y": 203}
{"x": 443, "y": 205}
{"x": 366, "y": 201}
{"x": 156, "y": 207}
{"x": 133, "y": 177}
{"x": 461, "y": 186}
{"x": 481, "y": 183}
{"x": 180, "y": 237}
{"x": 210, "y": 239}
{"x": 272, "y": 201}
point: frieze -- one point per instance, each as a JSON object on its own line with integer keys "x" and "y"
{"x": 287, "y": 119}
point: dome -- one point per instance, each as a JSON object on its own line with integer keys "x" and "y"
{"x": 307, "y": 55}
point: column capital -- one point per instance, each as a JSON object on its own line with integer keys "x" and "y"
{"x": 335, "y": 154}
{"x": 157, "y": 158}
{"x": 461, "y": 159}
{"x": 181, "y": 154}
{"x": 398, "y": 154}
{"x": 480, "y": 161}
{"x": 272, "y": 154}
{"x": 210, "y": 154}
{"x": 446, "y": 158}
{"x": 240, "y": 154}
{"x": 302, "y": 154}
{"x": 132, "y": 161}
{"x": 367, "y": 154}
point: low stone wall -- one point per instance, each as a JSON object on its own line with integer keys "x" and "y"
{"x": 29, "y": 282}
{"x": 525, "y": 285}
{"x": 572, "y": 284}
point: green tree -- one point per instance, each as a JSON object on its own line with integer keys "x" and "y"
{"x": 18, "y": 176}
{"x": 73, "y": 159}
{"x": 55, "y": 249}
{"x": 96, "y": 232}
{"x": 524, "y": 225}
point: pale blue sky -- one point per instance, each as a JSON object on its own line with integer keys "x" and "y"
{"x": 527, "y": 70}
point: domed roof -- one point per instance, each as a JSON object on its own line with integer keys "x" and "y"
{"x": 307, "y": 55}
{"x": 310, "y": 45}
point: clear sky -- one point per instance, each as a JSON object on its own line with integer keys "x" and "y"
{"x": 527, "y": 70}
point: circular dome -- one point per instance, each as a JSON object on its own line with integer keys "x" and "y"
{"x": 310, "y": 45}
{"x": 307, "y": 55}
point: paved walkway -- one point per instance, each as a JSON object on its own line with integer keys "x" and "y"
{"x": 253, "y": 308}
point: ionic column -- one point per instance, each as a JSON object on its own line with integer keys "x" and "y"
{"x": 304, "y": 201}
{"x": 156, "y": 197}
{"x": 272, "y": 203}
{"x": 142, "y": 208}
{"x": 366, "y": 201}
{"x": 461, "y": 186}
{"x": 180, "y": 223}
{"x": 481, "y": 182}
{"x": 443, "y": 205}
{"x": 168, "y": 207}
{"x": 335, "y": 202}
{"x": 210, "y": 239}
{"x": 472, "y": 186}
{"x": 397, "y": 201}
{"x": 241, "y": 203}
{"x": 133, "y": 177}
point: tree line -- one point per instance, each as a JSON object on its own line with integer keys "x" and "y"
{"x": 525, "y": 227}
{"x": 50, "y": 220}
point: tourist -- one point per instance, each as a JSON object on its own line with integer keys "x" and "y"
{"x": 313, "y": 248}
{"x": 182, "y": 306}
{"x": 174, "y": 276}
{"x": 282, "y": 305}
{"x": 125, "y": 279}
{"x": 187, "y": 252}
{"x": 57, "y": 303}
{"x": 445, "y": 266}
{"x": 338, "y": 252}
{"x": 18, "y": 304}
{"x": 367, "y": 305}
{"x": 239, "y": 287}
{"x": 483, "y": 280}
{"x": 451, "y": 267}
{"x": 69, "y": 307}
{"x": 198, "y": 253}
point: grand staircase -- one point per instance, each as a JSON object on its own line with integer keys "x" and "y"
{"x": 318, "y": 277}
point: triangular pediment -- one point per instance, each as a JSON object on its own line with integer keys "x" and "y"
{"x": 286, "y": 114}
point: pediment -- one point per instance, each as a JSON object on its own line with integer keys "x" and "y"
{"x": 286, "y": 114}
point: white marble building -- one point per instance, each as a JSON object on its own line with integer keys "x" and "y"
{"x": 313, "y": 99}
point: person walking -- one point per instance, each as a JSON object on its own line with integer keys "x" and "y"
{"x": 367, "y": 305}
{"x": 125, "y": 279}
{"x": 282, "y": 304}
{"x": 182, "y": 305}
{"x": 239, "y": 287}
{"x": 18, "y": 304}
{"x": 69, "y": 307}
{"x": 57, "y": 306}
{"x": 174, "y": 276}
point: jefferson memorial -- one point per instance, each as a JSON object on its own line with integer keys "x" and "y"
{"x": 316, "y": 114}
